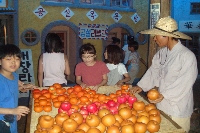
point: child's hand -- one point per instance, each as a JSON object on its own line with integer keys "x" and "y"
{"x": 18, "y": 117}
{"x": 95, "y": 88}
{"x": 83, "y": 85}
{"x": 26, "y": 87}
{"x": 21, "y": 110}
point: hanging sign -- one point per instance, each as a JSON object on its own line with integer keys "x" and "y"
{"x": 92, "y": 15}
{"x": 189, "y": 26}
{"x": 93, "y": 31}
{"x": 40, "y": 12}
{"x": 116, "y": 16}
{"x": 154, "y": 14}
{"x": 67, "y": 13}
{"x": 25, "y": 72}
{"x": 135, "y": 18}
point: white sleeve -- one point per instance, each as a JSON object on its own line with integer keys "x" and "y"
{"x": 122, "y": 69}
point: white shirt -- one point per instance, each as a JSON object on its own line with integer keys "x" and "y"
{"x": 174, "y": 72}
{"x": 127, "y": 52}
{"x": 116, "y": 73}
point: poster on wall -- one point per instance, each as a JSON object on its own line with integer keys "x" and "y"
{"x": 93, "y": 31}
{"x": 154, "y": 14}
{"x": 26, "y": 72}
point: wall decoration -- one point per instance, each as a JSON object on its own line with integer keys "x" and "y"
{"x": 3, "y": 3}
{"x": 189, "y": 26}
{"x": 30, "y": 37}
{"x": 93, "y": 31}
{"x": 67, "y": 13}
{"x": 154, "y": 13}
{"x": 40, "y": 12}
{"x": 116, "y": 16}
{"x": 141, "y": 38}
{"x": 26, "y": 73}
{"x": 92, "y": 15}
{"x": 135, "y": 18}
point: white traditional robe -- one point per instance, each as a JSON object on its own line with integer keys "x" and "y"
{"x": 174, "y": 72}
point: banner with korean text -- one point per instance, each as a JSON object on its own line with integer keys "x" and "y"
{"x": 93, "y": 31}
{"x": 26, "y": 72}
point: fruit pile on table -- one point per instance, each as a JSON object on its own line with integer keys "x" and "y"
{"x": 86, "y": 111}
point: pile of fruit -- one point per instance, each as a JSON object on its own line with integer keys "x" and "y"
{"x": 78, "y": 97}
{"x": 85, "y": 111}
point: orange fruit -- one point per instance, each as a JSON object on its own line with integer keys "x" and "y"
{"x": 52, "y": 89}
{"x": 47, "y": 94}
{"x": 36, "y": 95}
{"x": 47, "y": 108}
{"x": 77, "y": 88}
{"x": 80, "y": 94}
{"x": 76, "y": 107}
{"x": 57, "y": 85}
{"x": 102, "y": 97}
{"x": 61, "y": 98}
{"x": 112, "y": 95}
{"x": 57, "y": 104}
{"x": 87, "y": 95}
{"x": 43, "y": 102}
{"x": 73, "y": 100}
{"x": 84, "y": 99}
{"x": 69, "y": 90}
{"x": 38, "y": 109}
{"x": 55, "y": 99}
{"x": 54, "y": 96}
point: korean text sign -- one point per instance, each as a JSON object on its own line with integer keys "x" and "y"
{"x": 26, "y": 73}
{"x": 93, "y": 31}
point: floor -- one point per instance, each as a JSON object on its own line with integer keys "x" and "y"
{"x": 195, "y": 119}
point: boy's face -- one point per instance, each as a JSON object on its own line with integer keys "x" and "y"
{"x": 10, "y": 63}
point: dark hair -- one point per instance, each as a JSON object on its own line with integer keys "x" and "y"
{"x": 53, "y": 43}
{"x": 87, "y": 49}
{"x": 114, "y": 54}
{"x": 133, "y": 44}
{"x": 9, "y": 50}
{"x": 115, "y": 40}
{"x": 130, "y": 38}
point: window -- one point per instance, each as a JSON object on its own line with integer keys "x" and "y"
{"x": 120, "y": 3}
{"x": 30, "y": 37}
{"x": 99, "y": 2}
{"x": 195, "y": 8}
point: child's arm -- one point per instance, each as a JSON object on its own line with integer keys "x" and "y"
{"x": 20, "y": 110}
{"x": 126, "y": 79}
{"x": 143, "y": 62}
{"x": 127, "y": 64}
{"x": 104, "y": 81}
{"x": 40, "y": 71}
{"x": 79, "y": 81}
{"x": 67, "y": 69}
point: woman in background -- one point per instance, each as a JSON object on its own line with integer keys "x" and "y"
{"x": 118, "y": 74}
{"x": 53, "y": 64}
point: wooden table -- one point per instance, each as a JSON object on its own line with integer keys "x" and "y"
{"x": 167, "y": 125}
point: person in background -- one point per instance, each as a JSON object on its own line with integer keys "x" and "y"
{"x": 126, "y": 52}
{"x": 173, "y": 71}
{"x": 116, "y": 41}
{"x": 53, "y": 64}
{"x": 10, "y": 112}
{"x": 90, "y": 72}
{"x": 118, "y": 74}
{"x": 134, "y": 58}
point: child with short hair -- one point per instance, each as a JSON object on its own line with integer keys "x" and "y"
{"x": 53, "y": 64}
{"x": 132, "y": 64}
{"x": 10, "y": 112}
{"x": 90, "y": 72}
{"x": 118, "y": 74}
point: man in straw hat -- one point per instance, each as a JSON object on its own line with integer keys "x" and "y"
{"x": 173, "y": 70}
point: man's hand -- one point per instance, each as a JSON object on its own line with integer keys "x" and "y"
{"x": 135, "y": 89}
{"x": 160, "y": 98}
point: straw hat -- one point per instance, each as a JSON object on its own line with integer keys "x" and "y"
{"x": 166, "y": 27}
